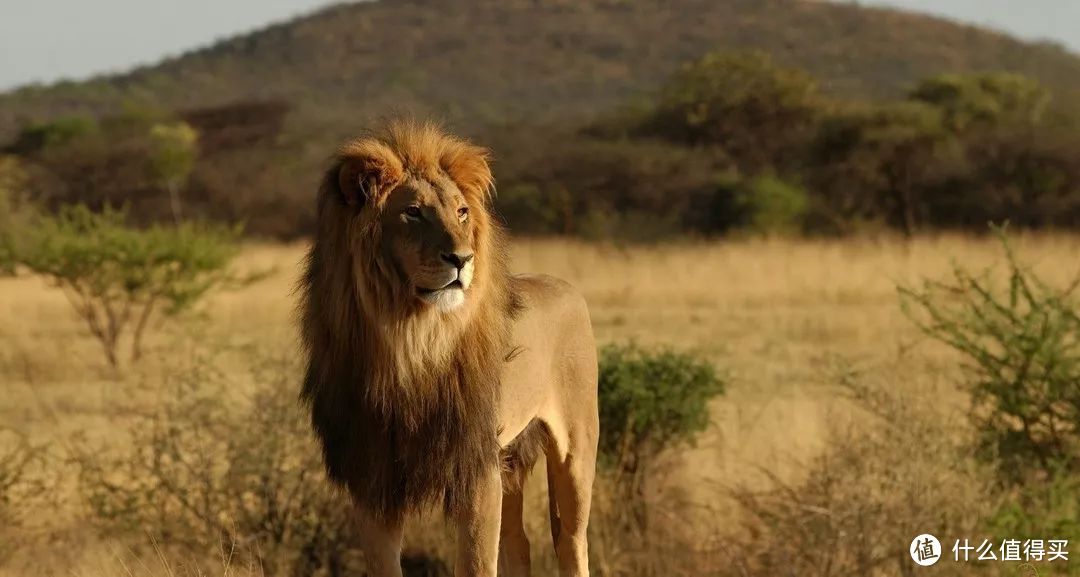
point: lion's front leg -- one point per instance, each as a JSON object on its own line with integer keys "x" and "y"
{"x": 381, "y": 542}
{"x": 478, "y": 529}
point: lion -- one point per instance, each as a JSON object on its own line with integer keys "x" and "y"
{"x": 435, "y": 376}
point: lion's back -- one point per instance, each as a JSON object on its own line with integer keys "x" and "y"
{"x": 554, "y": 324}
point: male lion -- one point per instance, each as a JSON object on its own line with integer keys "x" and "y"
{"x": 433, "y": 374}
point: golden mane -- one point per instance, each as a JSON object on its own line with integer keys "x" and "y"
{"x": 403, "y": 399}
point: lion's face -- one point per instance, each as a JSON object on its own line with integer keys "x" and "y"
{"x": 413, "y": 205}
{"x": 427, "y": 232}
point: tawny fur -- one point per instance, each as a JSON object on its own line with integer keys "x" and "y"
{"x": 425, "y": 357}
{"x": 403, "y": 400}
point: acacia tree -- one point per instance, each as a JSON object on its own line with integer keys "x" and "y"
{"x": 117, "y": 277}
{"x": 984, "y": 100}
{"x": 877, "y": 160}
{"x": 754, "y": 109}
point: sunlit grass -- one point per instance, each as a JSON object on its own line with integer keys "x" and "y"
{"x": 774, "y": 315}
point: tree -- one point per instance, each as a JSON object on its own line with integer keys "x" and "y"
{"x": 1026, "y": 175}
{"x": 875, "y": 161}
{"x": 754, "y": 109}
{"x": 172, "y": 157}
{"x": 984, "y": 100}
{"x": 1015, "y": 166}
{"x": 631, "y": 189}
{"x": 56, "y": 133}
{"x": 117, "y": 277}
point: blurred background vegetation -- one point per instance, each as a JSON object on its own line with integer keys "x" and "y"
{"x": 773, "y": 117}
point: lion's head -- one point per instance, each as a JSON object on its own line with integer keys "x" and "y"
{"x": 412, "y": 203}
{"x": 404, "y": 316}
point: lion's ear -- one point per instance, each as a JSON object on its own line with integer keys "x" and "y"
{"x": 367, "y": 171}
{"x": 468, "y": 166}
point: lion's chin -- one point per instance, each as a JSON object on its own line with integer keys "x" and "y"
{"x": 445, "y": 299}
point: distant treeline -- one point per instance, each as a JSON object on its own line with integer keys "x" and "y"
{"x": 736, "y": 142}
{"x": 733, "y": 142}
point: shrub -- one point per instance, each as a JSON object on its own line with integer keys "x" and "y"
{"x": 1021, "y": 348}
{"x": 650, "y": 401}
{"x": 900, "y": 468}
{"x": 772, "y": 206}
{"x": 21, "y": 488}
{"x": 55, "y": 133}
{"x": 117, "y": 277}
{"x": 216, "y": 469}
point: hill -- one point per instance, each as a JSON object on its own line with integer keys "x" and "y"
{"x": 489, "y": 65}
{"x": 486, "y": 61}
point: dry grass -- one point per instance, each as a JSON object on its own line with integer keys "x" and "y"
{"x": 774, "y": 314}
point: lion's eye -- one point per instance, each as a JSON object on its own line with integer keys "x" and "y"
{"x": 463, "y": 213}
{"x": 413, "y": 212}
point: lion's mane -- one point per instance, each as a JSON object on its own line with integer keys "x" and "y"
{"x": 403, "y": 400}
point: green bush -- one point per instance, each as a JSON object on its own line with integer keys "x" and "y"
{"x": 117, "y": 277}
{"x": 1021, "y": 345}
{"x": 55, "y": 133}
{"x": 650, "y": 401}
{"x": 772, "y": 206}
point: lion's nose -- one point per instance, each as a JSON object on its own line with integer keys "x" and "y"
{"x": 458, "y": 259}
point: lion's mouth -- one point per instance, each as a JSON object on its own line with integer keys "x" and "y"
{"x": 454, "y": 284}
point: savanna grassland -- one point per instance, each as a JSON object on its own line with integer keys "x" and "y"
{"x": 791, "y": 324}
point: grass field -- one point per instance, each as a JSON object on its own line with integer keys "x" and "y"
{"x": 777, "y": 317}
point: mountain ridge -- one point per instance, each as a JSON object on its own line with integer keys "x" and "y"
{"x": 490, "y": 62}
{"x": 521, "y": 76}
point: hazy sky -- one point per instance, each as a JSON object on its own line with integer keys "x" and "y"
{"x": 46, "y": 40}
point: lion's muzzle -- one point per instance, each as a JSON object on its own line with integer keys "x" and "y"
{"x": 447, "y": 292}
